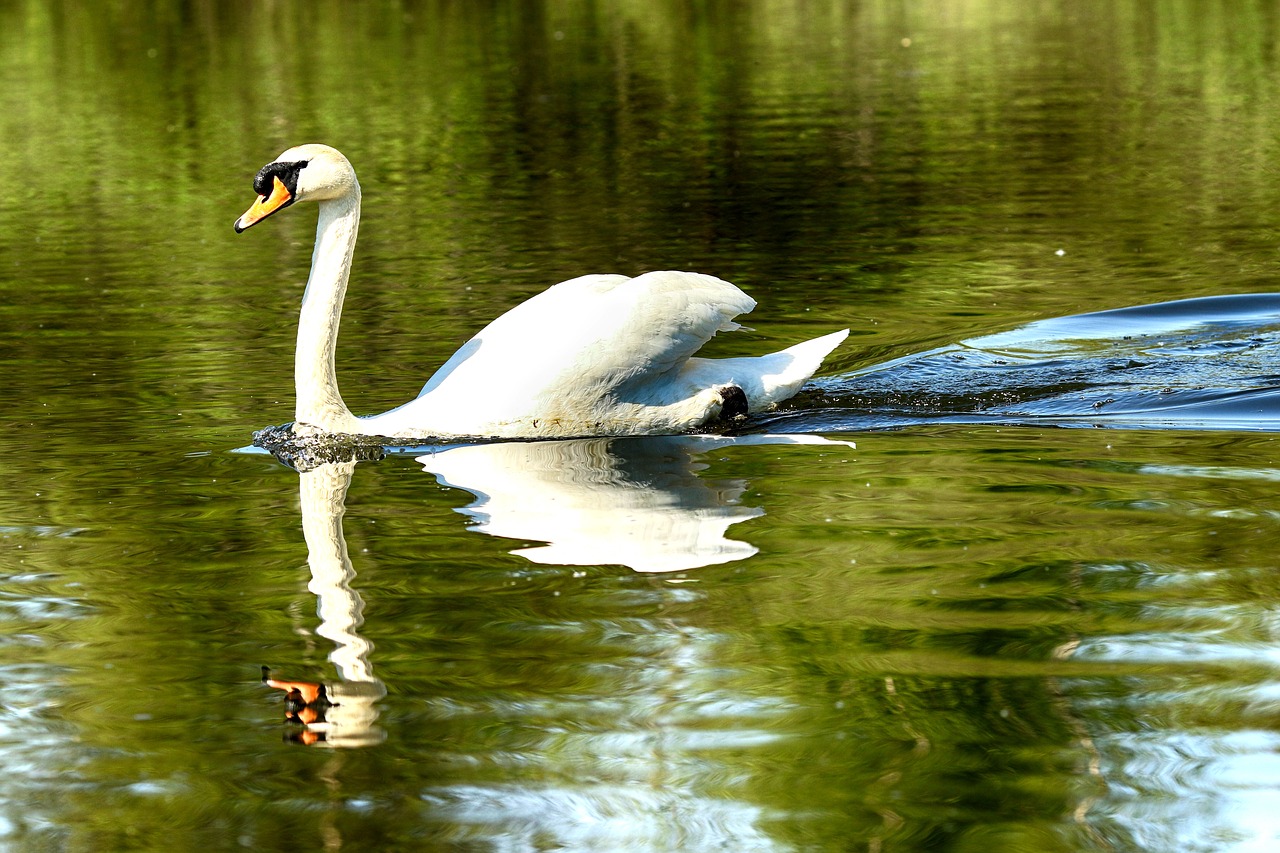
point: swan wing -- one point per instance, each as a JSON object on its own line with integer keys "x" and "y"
{"x": 596, "y": 331}
{"x": 602, "y": 354}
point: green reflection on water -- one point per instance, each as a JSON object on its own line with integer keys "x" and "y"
{"x": 791, "y": 147}
{"x": 1047, "y": 637}
{"x": 911, "y": 657}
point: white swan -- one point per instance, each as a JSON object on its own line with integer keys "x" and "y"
{"x": 596, "y": 355}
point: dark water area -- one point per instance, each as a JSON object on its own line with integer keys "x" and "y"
{"x": 1002, "y": 577}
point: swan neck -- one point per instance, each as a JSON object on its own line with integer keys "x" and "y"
{"x": 319, "y": 403}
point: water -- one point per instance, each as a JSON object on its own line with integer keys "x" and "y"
{"x": 1002, "y": 578}
{"x": 1202, "y": 363}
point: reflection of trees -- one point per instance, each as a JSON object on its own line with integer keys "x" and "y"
{"x": 917, "y": 698}
{"x": 782, "y": 143}
{"x": 778, "y": 144}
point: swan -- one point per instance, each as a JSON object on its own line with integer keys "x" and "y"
{"x": 592, "y": 356}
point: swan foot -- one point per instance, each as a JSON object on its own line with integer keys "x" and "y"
{"x": 733, "y": 403}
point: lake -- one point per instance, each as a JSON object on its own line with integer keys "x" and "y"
{"x": 1002, "y": 577}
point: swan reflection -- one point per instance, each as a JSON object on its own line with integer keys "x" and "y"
{"x": 658, "y": 717}
{"x": 634, "y": 502}
{"x": 638, "y": 502}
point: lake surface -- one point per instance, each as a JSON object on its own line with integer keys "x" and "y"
{"x": 1004, "y": 577}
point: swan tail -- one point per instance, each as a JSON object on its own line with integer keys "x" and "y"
{"x": 791, "y": 368}
{"x": 767, "y": 379}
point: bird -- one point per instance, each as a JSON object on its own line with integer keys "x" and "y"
{"x": 597, "y": 355}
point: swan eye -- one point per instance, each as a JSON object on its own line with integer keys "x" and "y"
{"x": 286, "y": 172}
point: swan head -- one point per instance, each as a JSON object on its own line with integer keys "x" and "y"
{"x": 304, "y": 173}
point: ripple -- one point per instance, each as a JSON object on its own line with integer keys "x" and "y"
{"x": 599, "y": 818}
{"x": 1207, "y": 363}
{"x": 1194, "y": 792}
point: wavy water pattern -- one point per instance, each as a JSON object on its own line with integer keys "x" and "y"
{"x": 1207, "y": 363}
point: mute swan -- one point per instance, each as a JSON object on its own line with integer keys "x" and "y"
{"x": 595, "y": 355}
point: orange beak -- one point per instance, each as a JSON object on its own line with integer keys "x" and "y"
{"x": 306, "y": 691}
{"x": 265, "y": 206}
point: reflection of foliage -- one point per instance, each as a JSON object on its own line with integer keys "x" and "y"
{"x": 507, "y": 145}
{"x": 626, "y": 139}
{"x": 899, "y": 664}
{"x": 966, "y": 659}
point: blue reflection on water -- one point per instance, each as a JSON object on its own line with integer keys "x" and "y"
{"x": 1208, "y": 363}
